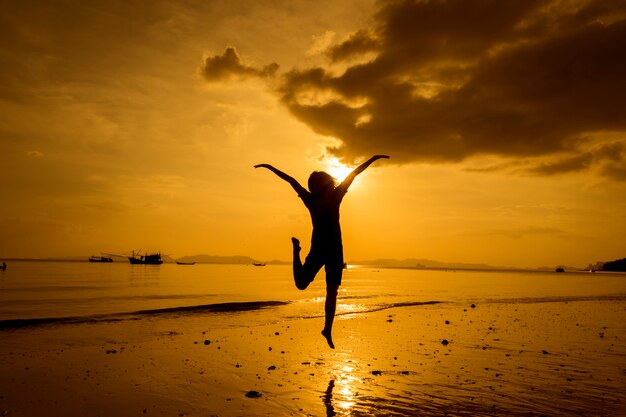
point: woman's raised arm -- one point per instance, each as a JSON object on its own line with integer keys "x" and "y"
{"x": 292, "y": 181}
{"x": 348, "y": 180}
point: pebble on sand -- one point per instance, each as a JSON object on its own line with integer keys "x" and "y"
{"x": 206, "y": 341}
{"x": 253, "y": 394}
{"x": 377, "y": 372}
{"x": 445, "y": 342}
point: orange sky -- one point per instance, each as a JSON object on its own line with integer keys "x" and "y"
{"x": 127, "y": 126}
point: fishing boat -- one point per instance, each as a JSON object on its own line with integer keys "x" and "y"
{"x": 152, "y": 259}
{"x": 185, "y": 263}
{"x": 100, "y": 259}
{"x": 258, "y": 264}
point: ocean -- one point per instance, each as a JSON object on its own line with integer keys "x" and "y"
{"x": 56, "y": 292}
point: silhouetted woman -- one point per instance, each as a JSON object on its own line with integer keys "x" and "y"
{"x": 323, "y": 200}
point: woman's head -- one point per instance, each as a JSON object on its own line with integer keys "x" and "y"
{"x": 321, "y": 182}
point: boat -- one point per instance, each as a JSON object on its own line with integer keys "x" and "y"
{"x": 258, "y": 264}
{"x": 100, "y": 259}
{"x": 152, "y": 259}
{"x": 185, "y": 263}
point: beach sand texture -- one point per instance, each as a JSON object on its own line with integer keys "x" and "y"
{"x": 553, "y": 357}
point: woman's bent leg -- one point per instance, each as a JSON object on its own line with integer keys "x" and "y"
{"x": 302, "y": 274}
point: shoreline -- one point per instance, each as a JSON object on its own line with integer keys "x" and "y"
{"x": 7, "y": 325}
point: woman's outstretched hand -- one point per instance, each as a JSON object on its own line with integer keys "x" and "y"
{"x": 375, "y": 157}
{"x": 263, "y": 166}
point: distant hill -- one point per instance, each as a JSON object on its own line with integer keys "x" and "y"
{"x": 278, "y": 262}
{"x": 211, "y": 259}
{"x": 563, "y": 267}
{"x": 423, "y": 263}
{"x": 616, "y": 266}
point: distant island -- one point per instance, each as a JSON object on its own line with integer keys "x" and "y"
{"x": 212, "y": 259}
{"x": 618, "y": 265}
{"x": 414, "y": 263}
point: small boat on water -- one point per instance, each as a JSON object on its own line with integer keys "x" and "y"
{"x": 152, "y": 259}
{"x": 100, "y": 259}
{"x": 258, "y": 264}
{"x": 185, "y": 263}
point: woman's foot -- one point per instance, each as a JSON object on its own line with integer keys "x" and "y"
{"x": 329, "y": 338}
{"x": 296, "y": 245}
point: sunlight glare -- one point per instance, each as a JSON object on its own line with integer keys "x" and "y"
{"x": 337, "y": 169}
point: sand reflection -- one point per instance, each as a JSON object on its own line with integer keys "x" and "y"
{"x": 341, "y": 394}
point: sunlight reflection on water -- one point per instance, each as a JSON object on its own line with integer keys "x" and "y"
{"x": 350, "y": 308}
{"x": 340, "y": 397}
{"x": 347, "y": 382}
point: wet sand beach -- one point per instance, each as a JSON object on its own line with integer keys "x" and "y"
{"x": 552, "y": 357}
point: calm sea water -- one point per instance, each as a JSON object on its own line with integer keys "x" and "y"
{"x": 77, "y": 291}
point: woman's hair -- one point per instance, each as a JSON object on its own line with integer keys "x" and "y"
{"x": 320, "y": 181}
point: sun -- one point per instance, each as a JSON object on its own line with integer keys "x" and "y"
{"x": 338, "y": 170}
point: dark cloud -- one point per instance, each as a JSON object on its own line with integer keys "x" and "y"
{"x": 571, "y": 164}
{"x": 610, "y": 158}
{"x": 454, "y": 79}
{"x": 357, "y": 44}
{"x": 614, "y": 161}
{"x": 616, "y": 171}
{"x": 229, "y": 65}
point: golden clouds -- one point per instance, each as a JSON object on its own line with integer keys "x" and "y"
{"x": 450, "y": 80}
